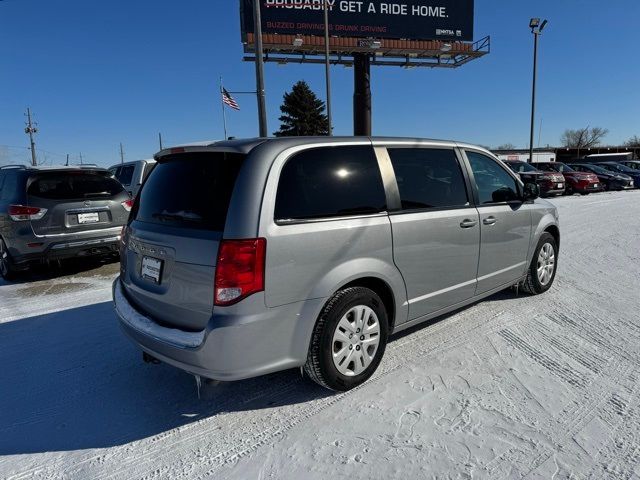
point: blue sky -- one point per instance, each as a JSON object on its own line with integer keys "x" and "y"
{"x": 99, "y": 73}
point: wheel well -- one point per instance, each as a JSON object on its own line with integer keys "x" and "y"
{"x": 553, "y": 230}
{"x": 384, "y": 292}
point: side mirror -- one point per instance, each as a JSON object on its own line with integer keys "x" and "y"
{"x": 531, "y": 191}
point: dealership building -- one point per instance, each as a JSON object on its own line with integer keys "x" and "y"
{"x": 564, "y": 154}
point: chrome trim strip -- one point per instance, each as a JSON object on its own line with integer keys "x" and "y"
{"x": 85, "y": 243}
{"x": 444, "y": 290}
{"x": 107, "y": 231}
{"x": 484, "y": 277}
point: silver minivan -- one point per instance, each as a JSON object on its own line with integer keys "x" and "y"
{"x": 247, "y": 257}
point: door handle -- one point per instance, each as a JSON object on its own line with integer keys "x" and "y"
{"x": 489, "y": 221}
{"x": 466, "y": 223}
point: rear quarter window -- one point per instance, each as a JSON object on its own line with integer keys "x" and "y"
{"x": 330, "y": 182}
{"x": 191, "y": 190}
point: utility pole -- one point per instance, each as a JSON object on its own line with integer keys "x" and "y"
{"x": 257, "y": 29}
{"x": 121, "y": 154}
{"x": 536, "y": 28}
{"x": 30, "y": 130}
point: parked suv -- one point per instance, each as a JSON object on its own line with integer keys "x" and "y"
{"x": 550, "y": 183}
{"x": 133, "y": 174}
{"x": 58, "y": 212}
{"x": 280, "y": 253}
{"x": 576, "y": 182}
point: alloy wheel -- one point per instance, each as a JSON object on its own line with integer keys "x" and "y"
{"x": 355, "y": 340}
{"x": 546, "y": 264}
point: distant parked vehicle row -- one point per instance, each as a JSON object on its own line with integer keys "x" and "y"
{"x": 51, "y": 213}
{"x": 610, "y": 180}
{"x": 577, "y": 182}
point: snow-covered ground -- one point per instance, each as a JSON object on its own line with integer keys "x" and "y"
{"x": 514, "y": 387}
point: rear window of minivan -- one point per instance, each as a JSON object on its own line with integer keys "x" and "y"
{"x": 190, "y": 190}
{"x": 73, "y": 185}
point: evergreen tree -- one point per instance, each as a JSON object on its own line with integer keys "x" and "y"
{"x": 302, "y": 113}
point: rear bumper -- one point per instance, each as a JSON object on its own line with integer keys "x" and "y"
{"x": 235, "y": 345}
{"x": 25, "y": 250}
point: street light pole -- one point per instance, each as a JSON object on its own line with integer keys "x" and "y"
{"x": 257, "y": 29}
{"x": 536, "y": 29}
{"x": 327, "y": 64}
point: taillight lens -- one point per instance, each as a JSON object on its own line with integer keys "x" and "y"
{"x": 21, "y": 213}
{"x": 127, "y": 204}
{"x": 239, "y": 270}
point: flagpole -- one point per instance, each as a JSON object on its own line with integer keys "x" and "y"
{"x": 224, "y": 114}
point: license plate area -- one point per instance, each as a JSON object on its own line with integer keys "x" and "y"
{"x": 151, "y": 269}
{"x": 89, "y": 217}
{"x": 560, "y": 185}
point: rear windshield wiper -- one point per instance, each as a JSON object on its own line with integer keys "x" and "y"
{"x": 177, "y": 217}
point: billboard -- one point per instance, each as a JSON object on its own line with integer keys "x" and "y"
{"x": 405, "y": 19}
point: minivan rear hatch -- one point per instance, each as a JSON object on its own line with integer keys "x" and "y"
{"x": 172, "y": 241}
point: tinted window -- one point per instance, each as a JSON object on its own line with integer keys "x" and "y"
{"x": 190, "y": 190}
{"x": 125, "y": 174}
{"x": 494, "y": 183}
{"x": 428, "y": 178}
{"x": 73, "y": 185}
{"x": 330, "y": 181}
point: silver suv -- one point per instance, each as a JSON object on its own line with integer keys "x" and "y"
{"x": 50, "y": 213}
{"x": 243, "y": 258}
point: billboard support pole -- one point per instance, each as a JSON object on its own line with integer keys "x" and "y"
{"x": 362, "y": 94}
{"x": 257, "y": 28}
{"x": 327, "y": 65}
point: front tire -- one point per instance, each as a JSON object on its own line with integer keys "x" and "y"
{"x": 349, "y": 339}
{"x": 542, "y": 270}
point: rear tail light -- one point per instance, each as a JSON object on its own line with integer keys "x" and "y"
{"x": 21, "y": 213}
{"x": 127, "y": 204}
{"x": 239, "y": 270}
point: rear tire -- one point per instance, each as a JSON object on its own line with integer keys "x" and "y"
{"x": 542, "y": 270}
{"x": 348, "y": 340}
{"x": 6, "y": 268}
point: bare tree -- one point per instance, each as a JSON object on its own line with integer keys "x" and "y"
{"x": 583, "y": 137}
{"x": 506, "y": 146}
{"x": 633, "y": 142}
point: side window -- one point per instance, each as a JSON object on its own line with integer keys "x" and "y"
{"x": 428, "y": 178}
{"x": 8, "y": 186}
{"x": 330, "y": 181}
{"x": 125, "y": 174}
{"x": 495, "y": 185}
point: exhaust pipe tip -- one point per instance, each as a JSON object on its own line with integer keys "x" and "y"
{"x": 149, "y": 359}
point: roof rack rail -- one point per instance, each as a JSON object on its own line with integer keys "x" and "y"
{"x": 13, "y": 167}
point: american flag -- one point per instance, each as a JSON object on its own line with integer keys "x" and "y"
{"x": 229, "y": 100}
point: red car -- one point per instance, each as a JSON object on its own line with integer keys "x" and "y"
{"x": 577, "y": 182}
